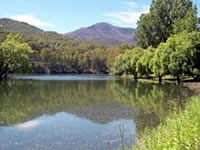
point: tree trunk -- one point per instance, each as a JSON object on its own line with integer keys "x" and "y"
{"x": 4, "y": 73}
{"x": 160, "y": 79}
{"x": 178, "y": 80}
{"x": 3, "y": 76}
{"x": 135, "y": 77}
{"x": 197, "y": 78}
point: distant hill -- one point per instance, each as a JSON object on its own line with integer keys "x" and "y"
{"x": 30, "y": 32}
{"x": 19, "y": 27}
{"x": 105, "y": 33}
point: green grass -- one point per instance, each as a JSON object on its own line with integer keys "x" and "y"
{"x": 181, "y": 132}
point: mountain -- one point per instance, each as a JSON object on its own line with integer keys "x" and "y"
{"x": 29, "y": 32}
{"x": 19, "y": 27}
{"x": 105, "y": 33}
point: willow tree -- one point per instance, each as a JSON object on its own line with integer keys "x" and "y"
{"x": 118, "y": 67}
{"x": 14, "y": 56}
{"x": 159, "y": 63}
{"x": 194, "y": 49}
{"x": 184, "y": 60}
{"x": 126, "y": 63}
{"x": 144, "y": 63}
{"x": 135, "y": 56}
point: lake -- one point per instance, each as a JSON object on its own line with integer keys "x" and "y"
{"x": 84, "y": 112}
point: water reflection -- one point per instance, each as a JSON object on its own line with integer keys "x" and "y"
{"x": 25, "y": 100}
{"x": 29, "y": 124}
{"x": 154, "y": 102}
{"x": 81, "y": 114}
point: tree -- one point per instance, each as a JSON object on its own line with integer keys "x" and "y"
{"x": 159, "y": 63}
{"x": 157, "y": 25}
{"x": 134, "y": 55}
{"x": 194, "y": 49}
{"x": 184, "y": 60}
{"x": 14, "y": 56}
{"x": 118, "y": 68}
{"x": 188, "y": 23}
{"x": 143, "y": 65}
{"x": 126, "y": 63}
{"x": 113, "y": 52}
{"x": 178, "y": 64}
{"x": 98, "y": 61}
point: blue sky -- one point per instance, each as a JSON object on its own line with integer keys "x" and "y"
{"x": 67, "y": 15}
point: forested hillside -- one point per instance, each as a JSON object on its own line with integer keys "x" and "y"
{"x": 57, "y": 53}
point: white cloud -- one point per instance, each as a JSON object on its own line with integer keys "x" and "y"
{"x": 131, "y": 4}
{"x": 30, "y": 19}
{"x": 129, "y": 17}
{"x": 124, "y": 17}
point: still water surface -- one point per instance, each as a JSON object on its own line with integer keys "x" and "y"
{"x": 81, "y": 111}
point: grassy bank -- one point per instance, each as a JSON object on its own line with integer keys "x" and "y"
{"x": 181, "y": 132}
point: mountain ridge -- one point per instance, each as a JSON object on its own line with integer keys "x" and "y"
{"x": 105, "y": 33}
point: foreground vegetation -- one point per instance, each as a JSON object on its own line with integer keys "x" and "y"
{"x": 180, "y": 132}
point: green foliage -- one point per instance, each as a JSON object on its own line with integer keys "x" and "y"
{"x": 126, "y": 63}
{"x": 188, "y": 23}
{"x": 114, "y": 52}
{"x": 143, "y": 65}
{"x": 61, "y": 55}
{"x": 178, "y": 133}
{"x": 172, "y": 27}
{"x": 157, "y": 25}
{"x": 98, "y": 61}
{"x": 178, "y": 56}
{"x": 194, "y": 50}
{"x": 185, "y": 55}
{"x": 135, "y": 55}
{"x": 14, "y": 55}
{"x": 134, "y": 62}
{"x": 159, "y": 63}
{"x": 73, "y": 57}
{"x": 118, "y": 68}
